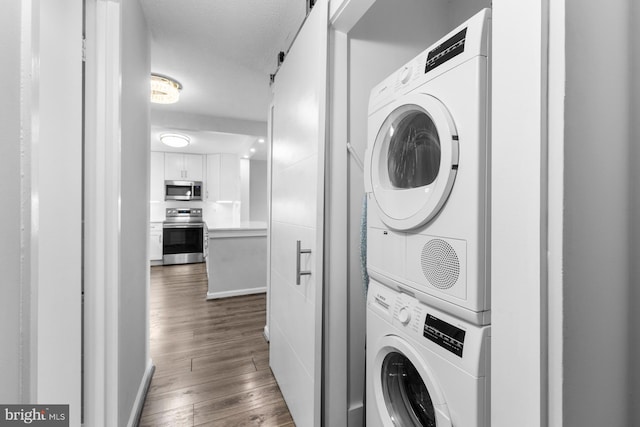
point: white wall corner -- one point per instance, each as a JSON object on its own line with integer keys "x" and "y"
{"x": 519, "y": 175}
{"x": 345, "y": 14}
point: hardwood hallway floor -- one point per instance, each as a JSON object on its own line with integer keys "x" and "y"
{"x": 211, "y": 359}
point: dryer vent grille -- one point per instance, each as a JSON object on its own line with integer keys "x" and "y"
{"x": 440, "y": 264}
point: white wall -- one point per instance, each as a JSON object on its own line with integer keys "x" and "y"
{"x": 258, "y": 191}
{"x": 634, "y": 161}
{"x": 134, "y": 261}
{"x": 518, "y": 270}
{"x": 10, "y": 189}
{"x": 597, "y": 283}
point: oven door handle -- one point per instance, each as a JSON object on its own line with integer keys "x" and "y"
{"x": 183, "y": 226}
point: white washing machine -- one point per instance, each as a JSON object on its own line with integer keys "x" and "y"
{"x": 427, "y": 174}
{"x": 425, "y": 368}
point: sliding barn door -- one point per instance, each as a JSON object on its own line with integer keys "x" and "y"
{"x": 298, "y": 145}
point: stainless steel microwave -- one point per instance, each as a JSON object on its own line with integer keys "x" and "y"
{"x": 183, "y": 190}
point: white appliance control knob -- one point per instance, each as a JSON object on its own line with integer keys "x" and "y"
{"x": 404, "y": 315}
{"x": 405, "y": 75}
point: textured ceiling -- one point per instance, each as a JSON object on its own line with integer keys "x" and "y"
{"x": 222, "y": 52}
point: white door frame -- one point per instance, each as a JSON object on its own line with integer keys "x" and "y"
{"x": 526, "y": 79}
{"x": 102, "y": 212}
{"x": 51, "y": 248}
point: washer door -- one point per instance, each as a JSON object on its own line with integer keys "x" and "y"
{"x": 413, "y": 161}
{"x": 406, "y": 393}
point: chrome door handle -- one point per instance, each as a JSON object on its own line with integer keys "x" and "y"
{"x": 299, "y": 252}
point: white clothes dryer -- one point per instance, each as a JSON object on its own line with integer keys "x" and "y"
{"x": 425, "y": 368}
{"x": 427, "y": 173}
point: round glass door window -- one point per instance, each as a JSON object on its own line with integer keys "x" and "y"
{"x": 414, "y": 162}
{"x": 413, "y": 158}
{"x": 405, "y": 394}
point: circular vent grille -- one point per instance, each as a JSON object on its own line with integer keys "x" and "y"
{"x": 440, "y": 264}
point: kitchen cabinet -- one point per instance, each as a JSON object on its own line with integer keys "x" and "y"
{"x": 181, "y": 166}
{"x": 156, "y": 176}
{"x": 155, "y": 243}
{"x": 223, "y": 177}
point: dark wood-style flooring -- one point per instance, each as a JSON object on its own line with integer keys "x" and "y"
{"x": 212, "y": 361}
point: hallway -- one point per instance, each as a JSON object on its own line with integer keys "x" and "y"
{"x": 211, "y": 359}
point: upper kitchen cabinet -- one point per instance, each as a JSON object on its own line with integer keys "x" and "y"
{"x": 223, "y": 177}
{"x": 179, "y": 166}
{"x": 156, "y": 184}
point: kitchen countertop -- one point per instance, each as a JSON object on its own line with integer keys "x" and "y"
{"x": 252, "y": 225}
{"x": 247, "y": 229}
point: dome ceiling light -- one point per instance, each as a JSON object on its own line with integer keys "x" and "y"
{"x": 174, "y": 140}
{"x": 164, "y": 90}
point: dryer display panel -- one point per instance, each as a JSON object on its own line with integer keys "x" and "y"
{"x": 406, "y": 396}
{"x": 444, "y": 334}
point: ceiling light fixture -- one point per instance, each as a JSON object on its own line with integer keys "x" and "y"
{"x": 261, "y": 140}
{"x": 174, "y": 140}
{"x": 253, "y": 150}
{"x": 164, "y": 90}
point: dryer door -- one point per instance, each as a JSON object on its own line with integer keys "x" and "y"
{"x": 413, "y": 161}
{"x": 405, "y": 389}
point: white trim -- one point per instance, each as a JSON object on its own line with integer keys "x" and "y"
{"x": 138, "y": 404}
{"x": 240, "y": 292}
{"x": 57, "y": 140}
{"x": 102, "y": 212}
{"x": 336, "y": 319}
{"x": 519, "y": 202}
{"x": 555, "y": 242}
{"x": 112, "y": 187}
{"x": 269, "y": 193}
{"x": 30, "y": 51}
{"x": 322, "y": 162}
{"x": 265, "y": 333}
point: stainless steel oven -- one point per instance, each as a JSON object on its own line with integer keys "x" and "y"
{"x": 183, "y": 234}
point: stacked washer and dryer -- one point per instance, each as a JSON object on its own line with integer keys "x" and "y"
{"x": 428, "y": 239}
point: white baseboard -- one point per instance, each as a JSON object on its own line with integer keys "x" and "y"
{"x": 265, "y": 332}
{"x": 136, "y": 411}
{"x": 355, "y": 415}
{"x": 226, "y": 294}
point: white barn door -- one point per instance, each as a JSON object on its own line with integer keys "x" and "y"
{"x": 297, "y": 215}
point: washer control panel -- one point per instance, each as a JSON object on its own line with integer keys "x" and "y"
{"x": 410, "y": 313}
{"x": 444, "y": 334}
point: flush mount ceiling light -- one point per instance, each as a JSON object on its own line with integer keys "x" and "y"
{"x": 261, "y": 140}
{"x": 164, "y": 90}
{"x": 174, "y": 140}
